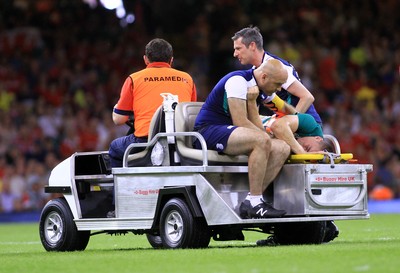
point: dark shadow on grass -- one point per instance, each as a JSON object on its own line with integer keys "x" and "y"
{"x": 231, "y": 245}
{"x": 165, "y": 249}
{"x": 253, "y": 245}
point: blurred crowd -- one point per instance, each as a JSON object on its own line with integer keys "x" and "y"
{"x": 62, "y": 64}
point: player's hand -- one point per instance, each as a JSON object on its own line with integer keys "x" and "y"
{"x": 271, "y": 106}
{"x": 252, "y": 93}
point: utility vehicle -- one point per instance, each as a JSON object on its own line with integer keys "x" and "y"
{"x": 180, "y": 197}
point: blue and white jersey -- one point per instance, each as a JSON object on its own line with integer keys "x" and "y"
{"x": 292, "y": 76}
{"x": 292, "y": 73}
{"x": 215, "y": 110}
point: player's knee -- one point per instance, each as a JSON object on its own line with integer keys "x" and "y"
{"x": 280, "y": 147}
{"x": 263, "y": 142}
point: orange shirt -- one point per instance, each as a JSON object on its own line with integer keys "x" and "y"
{"x": 141, "y": 91}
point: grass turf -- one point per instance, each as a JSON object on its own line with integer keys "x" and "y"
{"x": 363, "y": 246}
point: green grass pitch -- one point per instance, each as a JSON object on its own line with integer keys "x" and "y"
{"x": 371, "y": 245}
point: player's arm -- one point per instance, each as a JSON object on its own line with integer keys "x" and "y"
{"x": 237, "y": 92}
{"x": 238, "y": 111}
{"x": 252, "y": 107}
{"x": 283, "y": 128}
{"x": 305, "y": 97}
{"x": 275, "y": 103}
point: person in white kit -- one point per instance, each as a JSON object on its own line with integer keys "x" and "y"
{"x": 230, "y": 124}
{"x": 248, "y": 49}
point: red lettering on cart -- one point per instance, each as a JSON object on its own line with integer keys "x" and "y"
{"x": 146, "y": 192}
{"x": 335, "y": 179}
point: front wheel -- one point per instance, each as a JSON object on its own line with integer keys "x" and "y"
{"x": 57, "y": 228}
{"x": 179, "y": 229}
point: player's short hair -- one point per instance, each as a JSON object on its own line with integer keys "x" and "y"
{"x": 327, "y": 146}
{"x": 159, "y": 50}
{"x": 248, "y": 35}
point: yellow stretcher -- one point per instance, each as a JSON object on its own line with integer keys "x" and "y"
{"x": 325, "y": 158}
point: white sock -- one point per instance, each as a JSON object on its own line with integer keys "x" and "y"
{"x": 254, "y": 199}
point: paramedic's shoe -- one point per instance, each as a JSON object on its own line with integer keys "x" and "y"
{"x": 331, "y": 232}
{"x": 270, "y": 241}
{"x": 262, "y": 210}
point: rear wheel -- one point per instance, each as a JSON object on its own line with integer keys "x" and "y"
{"x": 332, "y": 231}
{"x": 57, "y": 228}
{"x": 179, "y": 229}
{"x": 300, "y": 233}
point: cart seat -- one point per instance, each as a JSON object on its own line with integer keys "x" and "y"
{"x": 157, "y": 125}
{"x": 185, "y": 116}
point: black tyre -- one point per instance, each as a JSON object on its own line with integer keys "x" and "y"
{"x": 57, "y": 228}
{"x": 178, "y": 228}
{"x": 332, "y": 231}
{"x": 204, "y": 234}
{"x": 154, "y": 240}
{"x": 299, "y": 233}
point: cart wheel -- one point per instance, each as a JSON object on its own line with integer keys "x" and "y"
{"x": 178, "y": 228}
{"x": 154, "y": 240}
{"x": 331, "y": 233}
{"x": 57, "y": 229}
{"x": 299, "y": 233}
